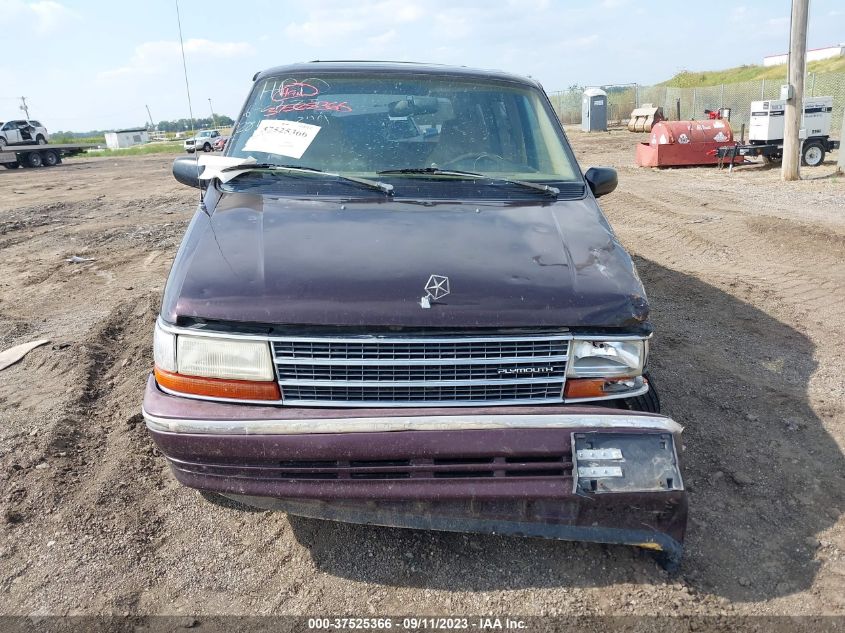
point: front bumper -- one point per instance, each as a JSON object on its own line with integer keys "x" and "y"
{"x": 565, "y": 472}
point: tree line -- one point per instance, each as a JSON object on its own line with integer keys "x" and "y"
{"x": 183, "y": 125}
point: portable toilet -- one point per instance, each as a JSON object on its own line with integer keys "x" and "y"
{"x": 594, "y": 110}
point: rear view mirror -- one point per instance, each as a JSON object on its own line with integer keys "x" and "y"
{"x": 186, "y": 171}
{"x": 414, "y": 105}
{"x": 602, "y": 180}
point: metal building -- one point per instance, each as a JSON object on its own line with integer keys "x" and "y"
{"x": 127, "y": 138}
{"x": 594, "y": 110}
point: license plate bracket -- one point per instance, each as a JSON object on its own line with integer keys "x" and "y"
{"x": 625, "y": 462}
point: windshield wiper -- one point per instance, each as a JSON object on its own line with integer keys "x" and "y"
{"x": 550, "y": 191}
{"x": 298, "y": 169}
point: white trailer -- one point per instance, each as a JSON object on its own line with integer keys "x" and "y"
{"x": 120, "y": 139}
{"x": 765, "y": 132}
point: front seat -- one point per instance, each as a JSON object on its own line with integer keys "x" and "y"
{"x": 459, "y": 136}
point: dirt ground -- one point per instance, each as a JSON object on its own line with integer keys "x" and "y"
{"x": 746, "y": 276}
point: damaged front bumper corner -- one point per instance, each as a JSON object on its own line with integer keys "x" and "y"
{"x": 562, "y": 472}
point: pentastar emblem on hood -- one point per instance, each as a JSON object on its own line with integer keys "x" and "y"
{"x": 436, "y": 288}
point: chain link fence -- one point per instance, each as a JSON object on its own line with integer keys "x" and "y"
{"x": 690, "y": 103}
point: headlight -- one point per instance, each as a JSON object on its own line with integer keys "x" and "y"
{"x": 602, "y": 359}
{"x": 218, "y": 367}
{"x": 213, "y": 357}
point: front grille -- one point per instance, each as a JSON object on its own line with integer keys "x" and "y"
{"x": 426, "y": 394}
{"x": 392, "y": 373}
{"x": 409, "y": 371}
{"x": 417, "y": 349}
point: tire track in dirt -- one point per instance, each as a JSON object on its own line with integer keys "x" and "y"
{"x": 113, "y": 344}
{"x": 801, "y": 278}
{"x": 101, "y": 440}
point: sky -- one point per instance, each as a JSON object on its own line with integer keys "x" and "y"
{"x": 96, "y": 64}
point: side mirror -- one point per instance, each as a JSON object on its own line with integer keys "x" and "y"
{"x": 602, "y": 180}
{"x": 186, "y": 171}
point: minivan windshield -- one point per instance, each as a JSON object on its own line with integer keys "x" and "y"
{"x": 364, "y": 124}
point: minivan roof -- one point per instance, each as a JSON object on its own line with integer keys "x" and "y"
{"x": 346, "y": 66}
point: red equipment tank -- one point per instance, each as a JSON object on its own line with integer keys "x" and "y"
{"x": 675, "y": 143}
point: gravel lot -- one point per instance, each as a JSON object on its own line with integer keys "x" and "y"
{"x": 746, "y": 276}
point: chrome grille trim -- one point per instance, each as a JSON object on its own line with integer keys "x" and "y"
{"x": 377, "y": 350}
{"x": 429, "y": 395}
{"x": 422, "y": 361}
{"x": 457, "y": 338}
{"x": 417, "y": 404}
{"x": 397, "y": 371}
{"x": 409, "y": 375}
{"x": 379, "y": 384}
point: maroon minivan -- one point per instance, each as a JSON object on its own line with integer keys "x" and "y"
{"x": 399, "y": 303}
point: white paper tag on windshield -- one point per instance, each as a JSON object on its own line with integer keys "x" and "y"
{"x": 287, "y": 138}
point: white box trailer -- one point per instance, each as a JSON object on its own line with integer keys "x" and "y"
{"x": 765, "y": 131}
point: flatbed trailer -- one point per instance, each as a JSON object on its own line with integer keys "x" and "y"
{"x": 813, "y": 150}
{"x": 47, "y": 155}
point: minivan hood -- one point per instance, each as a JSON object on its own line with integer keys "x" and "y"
{"x": 268, "y": 259}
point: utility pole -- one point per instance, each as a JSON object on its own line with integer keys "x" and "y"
{"x": 795, "y": 105}
{"x": 24, "y": 107}
{"x": 840, "y": 163}
{"x": 213, "y": 118}
{"x": 152, "y": 125}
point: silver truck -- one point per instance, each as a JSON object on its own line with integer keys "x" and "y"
{"x": 204, "y": 141}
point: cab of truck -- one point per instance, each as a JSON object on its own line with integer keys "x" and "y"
{"x": 400, "y": 303}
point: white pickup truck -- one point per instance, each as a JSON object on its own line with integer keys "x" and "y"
{"x": 23, "y": 132}
{"x": 202, "y": 141}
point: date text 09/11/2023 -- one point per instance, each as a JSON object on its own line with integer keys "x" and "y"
{"x": 418, "y": 623}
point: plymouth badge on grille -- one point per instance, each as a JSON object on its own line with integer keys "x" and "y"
{"x": 524, "y": 371}
{"x": 436, "y": 288}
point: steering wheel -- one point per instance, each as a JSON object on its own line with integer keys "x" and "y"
{"x": 494, "y": 160}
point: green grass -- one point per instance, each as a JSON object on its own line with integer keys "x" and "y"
{"x": 694, "y": 79}
{"x": 82, "y": 140}
{"x": 139, "y": 150}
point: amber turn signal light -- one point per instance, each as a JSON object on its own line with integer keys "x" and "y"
{"x": 217, "y": 387}
{"x": 584, "y": 388}
{"x": 598, "y": 387}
